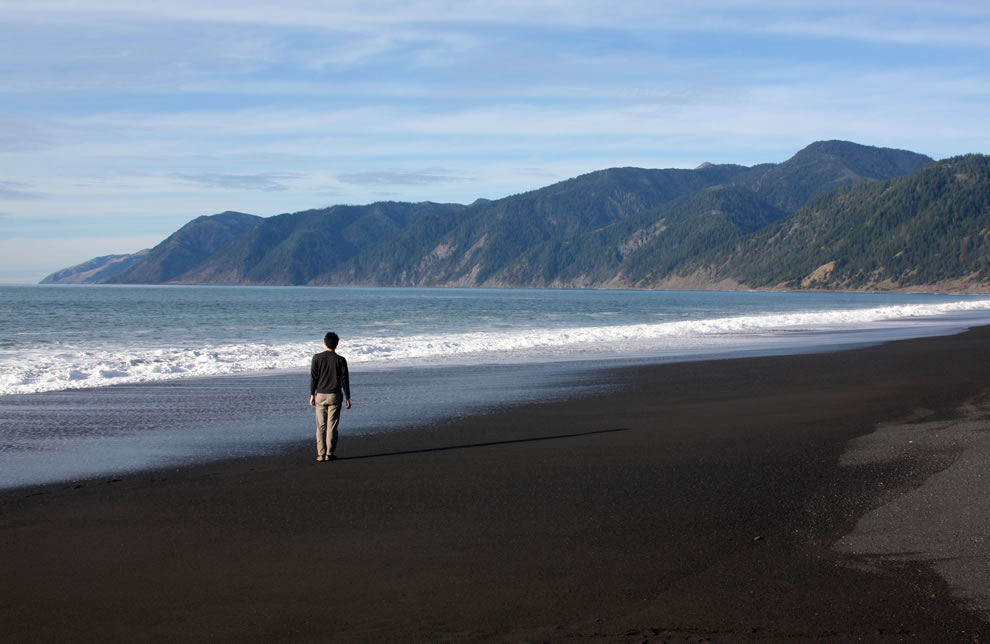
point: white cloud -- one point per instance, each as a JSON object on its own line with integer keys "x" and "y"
{"x": 266, "y": 182}
{"x": 15, "y": 190}
{"x": 427, "y": 177}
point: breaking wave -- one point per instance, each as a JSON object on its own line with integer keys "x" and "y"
{"x": 63, "y": 366}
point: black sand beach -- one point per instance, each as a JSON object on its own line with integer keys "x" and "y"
{"x": 692, "y": 502}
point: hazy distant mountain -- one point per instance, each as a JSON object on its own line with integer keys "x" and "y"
{"x": 95, "y": 271}
{"x": 301, "y": 248}
{"x": 835, "y": 215}
{"x": 187, "y": 247}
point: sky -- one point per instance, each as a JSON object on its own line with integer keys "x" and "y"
{"x": 120, "y": 121}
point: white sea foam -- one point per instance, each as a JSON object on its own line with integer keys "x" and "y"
{"x": 96, "y": 365}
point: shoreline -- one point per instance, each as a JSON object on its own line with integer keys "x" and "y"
{"x": 205, "y": 419}
{"x": 694, "y": 499}
{"x": 106, "y": 341}
{"x": 202, "y": 421}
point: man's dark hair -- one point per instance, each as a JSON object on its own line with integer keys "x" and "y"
{"x": 331, "y": 340}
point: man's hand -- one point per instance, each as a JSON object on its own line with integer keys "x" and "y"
{"x": 347, "y": 405}
{"x": 312, "y": 401}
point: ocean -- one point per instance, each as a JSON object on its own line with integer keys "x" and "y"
{"x": 104, "y": 380}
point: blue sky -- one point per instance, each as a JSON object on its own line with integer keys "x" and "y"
{"x": 120, "y": 120}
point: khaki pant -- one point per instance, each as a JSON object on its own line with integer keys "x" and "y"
{"x": 327, "y": 418}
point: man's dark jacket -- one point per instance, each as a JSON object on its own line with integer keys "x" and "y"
{"x": 328, "y": 375}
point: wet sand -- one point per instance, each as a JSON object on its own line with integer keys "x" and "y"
{"x": 757, "y": 499}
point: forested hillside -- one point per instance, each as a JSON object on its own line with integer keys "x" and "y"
{"x": 647, "y": 247}
{"x": 303, "y": 247}
{"x": 837, "y": 215}
{"x": 930, "y": 228}
{"x": 187, "y": 247}
{"x": 561, "y": 235}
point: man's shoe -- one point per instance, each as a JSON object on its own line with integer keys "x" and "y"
{"x": 330, "y": 458}
{"x": 321, "y": 458}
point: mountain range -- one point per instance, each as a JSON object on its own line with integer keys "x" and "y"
{"x": 836, "y": 215}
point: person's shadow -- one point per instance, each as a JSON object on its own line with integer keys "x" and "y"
{"x": 448, "y": 448}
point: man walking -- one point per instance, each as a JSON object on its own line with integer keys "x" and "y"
{"x": 329, "y": 385}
